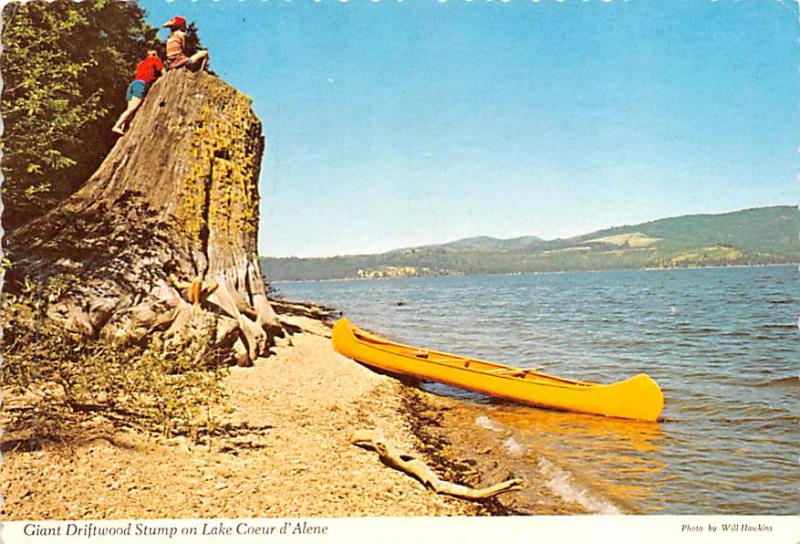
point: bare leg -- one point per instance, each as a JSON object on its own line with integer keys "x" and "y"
{"x": 133, "y": 105}
{"x": 200, "y": 55}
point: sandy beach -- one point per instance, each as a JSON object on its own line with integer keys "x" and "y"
{"x": 283, "y": 451}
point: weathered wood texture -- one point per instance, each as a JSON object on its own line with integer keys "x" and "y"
{"x": 419, "y": 470}
{"x": 177, "y": 194}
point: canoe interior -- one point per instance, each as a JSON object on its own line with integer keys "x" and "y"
{"x": 464, "y": 363}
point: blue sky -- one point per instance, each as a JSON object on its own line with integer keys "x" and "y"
{"x": 393, "y": 124}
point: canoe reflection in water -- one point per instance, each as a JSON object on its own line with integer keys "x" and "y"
{"x": 624, "y": 465}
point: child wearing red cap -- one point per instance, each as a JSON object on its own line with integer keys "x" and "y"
{"x": 147, "y": 71}
{"x": 177, "y": 54}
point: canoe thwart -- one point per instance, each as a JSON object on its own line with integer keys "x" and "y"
{"x": 515, "y": 371}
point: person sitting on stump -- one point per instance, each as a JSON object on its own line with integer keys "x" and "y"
{"x": 179, "y": 50}
{"x": 147, "y": 71}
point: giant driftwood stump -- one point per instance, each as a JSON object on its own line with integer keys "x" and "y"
{"x": 164, "y": 234}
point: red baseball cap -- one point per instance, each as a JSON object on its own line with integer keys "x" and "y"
{"x": 175, "y": 22}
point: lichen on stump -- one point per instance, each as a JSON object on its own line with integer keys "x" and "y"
{"x": 177, "y": 195}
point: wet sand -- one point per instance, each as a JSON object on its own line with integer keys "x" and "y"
{"x": 284, "y": 452}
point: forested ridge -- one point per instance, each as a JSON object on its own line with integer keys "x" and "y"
{"x": 747, "y": 237}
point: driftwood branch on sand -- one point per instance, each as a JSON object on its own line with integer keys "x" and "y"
{"x": 416, "y": 468}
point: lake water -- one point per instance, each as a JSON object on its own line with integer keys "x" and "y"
{"x": 722, "y": 344}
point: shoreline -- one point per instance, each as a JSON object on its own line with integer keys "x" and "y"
{"x": 282, "y": 450}
{"x": 598, "y": 271}
{"x": 475, "y": 455}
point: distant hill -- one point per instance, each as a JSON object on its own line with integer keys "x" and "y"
{"x": 747, "y": 237}
{"x": 489, "y": 243}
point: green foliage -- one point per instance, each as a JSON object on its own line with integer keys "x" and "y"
{"x": 60, "y": 382}
{"x": 65, "y": 69}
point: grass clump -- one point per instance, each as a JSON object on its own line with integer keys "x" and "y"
{"x": 58, "y": 386}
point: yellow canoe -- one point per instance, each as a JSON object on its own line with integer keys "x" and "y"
{"x": 635, "y": 398}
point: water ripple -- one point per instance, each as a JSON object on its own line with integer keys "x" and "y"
{"x": 721, "y": 343}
